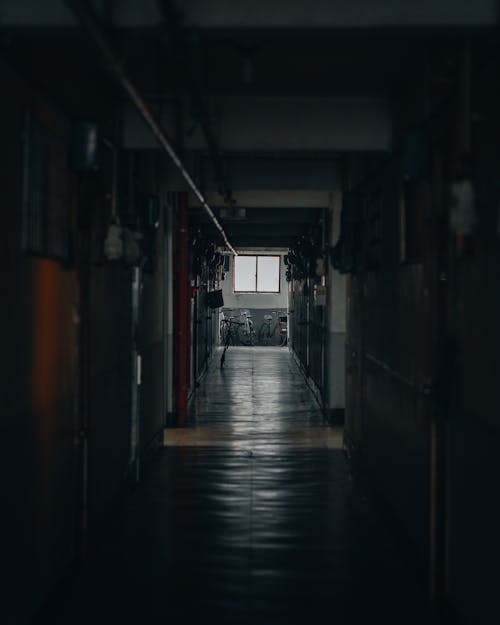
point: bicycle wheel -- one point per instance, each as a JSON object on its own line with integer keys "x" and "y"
{"x": 223, "y": 334}
{"x": 223, "y": 355}
{"x": 283, "y": 337}
{"x": 264, "y": 333}
{"x": 253, "y": 335}
{"x": 244, "y": 336}
{"x": 228, "y": 341}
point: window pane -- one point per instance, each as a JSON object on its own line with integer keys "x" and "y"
{"x": 244, "y": 273}
{"x": 268, "y": 274}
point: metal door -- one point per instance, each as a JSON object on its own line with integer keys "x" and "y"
{"x": 353, "y": 431}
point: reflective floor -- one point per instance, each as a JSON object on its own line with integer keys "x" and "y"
{"x": 248, "y": 516}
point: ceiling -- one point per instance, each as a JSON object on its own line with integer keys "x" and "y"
{"x": 285, "y": 87}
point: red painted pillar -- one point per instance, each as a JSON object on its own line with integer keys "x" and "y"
{"x": 183, "y": 322}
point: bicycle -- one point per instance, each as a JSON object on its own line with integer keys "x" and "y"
{"x": 266, "y": 334}
{"x": 224, "y": 329}
{"x": 246, "y": 332}
{"x": 228, "y": 335}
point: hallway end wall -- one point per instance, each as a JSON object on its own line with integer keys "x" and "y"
{"x": 255, "y": 301}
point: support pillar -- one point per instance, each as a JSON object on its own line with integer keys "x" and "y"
{"x": 335, "y": 323}
{"x": 183, "y": 307}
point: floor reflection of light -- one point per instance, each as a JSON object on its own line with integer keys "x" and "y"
{"x": 258, "y": 404}
{"x": 269, "y": 441}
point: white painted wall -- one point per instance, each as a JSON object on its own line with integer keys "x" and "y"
{"x": 256, "y": 300}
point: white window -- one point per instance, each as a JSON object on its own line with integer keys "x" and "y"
{"x": 257, "y": 274}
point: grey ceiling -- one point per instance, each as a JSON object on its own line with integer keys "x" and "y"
{"x": 287, "y": 86}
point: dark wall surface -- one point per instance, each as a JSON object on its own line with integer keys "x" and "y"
{"x": 396, "y": 334}
{"x": 66, "y": 413}
{"x": 110, "y": 387}
{"x": 38, "y": 407}
{"x": 422, "y": 353}
{"x": 308, "y": 333}
{"x": 474, "y": 424}
{"x": 152, "y": 333}
{"x": 389, "y": 351}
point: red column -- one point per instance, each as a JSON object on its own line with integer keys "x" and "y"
{"x": 182, "y": 308}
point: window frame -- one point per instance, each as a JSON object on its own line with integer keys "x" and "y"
{"x": 257, "y": 256}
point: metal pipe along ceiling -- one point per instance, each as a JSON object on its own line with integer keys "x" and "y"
{"x": 86, "y": 18}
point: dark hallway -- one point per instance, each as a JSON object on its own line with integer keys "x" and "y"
{"x": 249, "y": 516}
{"x": 310, "y": 191}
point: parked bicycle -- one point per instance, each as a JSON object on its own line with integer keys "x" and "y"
{"x": 229, "y": 335}
{"x": 246, "y": 334}
{"x": 268, "y": 331}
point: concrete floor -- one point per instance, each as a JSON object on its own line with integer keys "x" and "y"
{"x": 248, "y": 516}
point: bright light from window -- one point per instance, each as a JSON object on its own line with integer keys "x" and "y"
{"x": 268, "y": 274}
{"x": 257, "y": 274}
{"x": 245, "y": 271}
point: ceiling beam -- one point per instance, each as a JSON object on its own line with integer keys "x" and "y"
{"x": 279, "y": 124}
{"x": 246, "y": 14}
{"x": 279, "y": 198}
